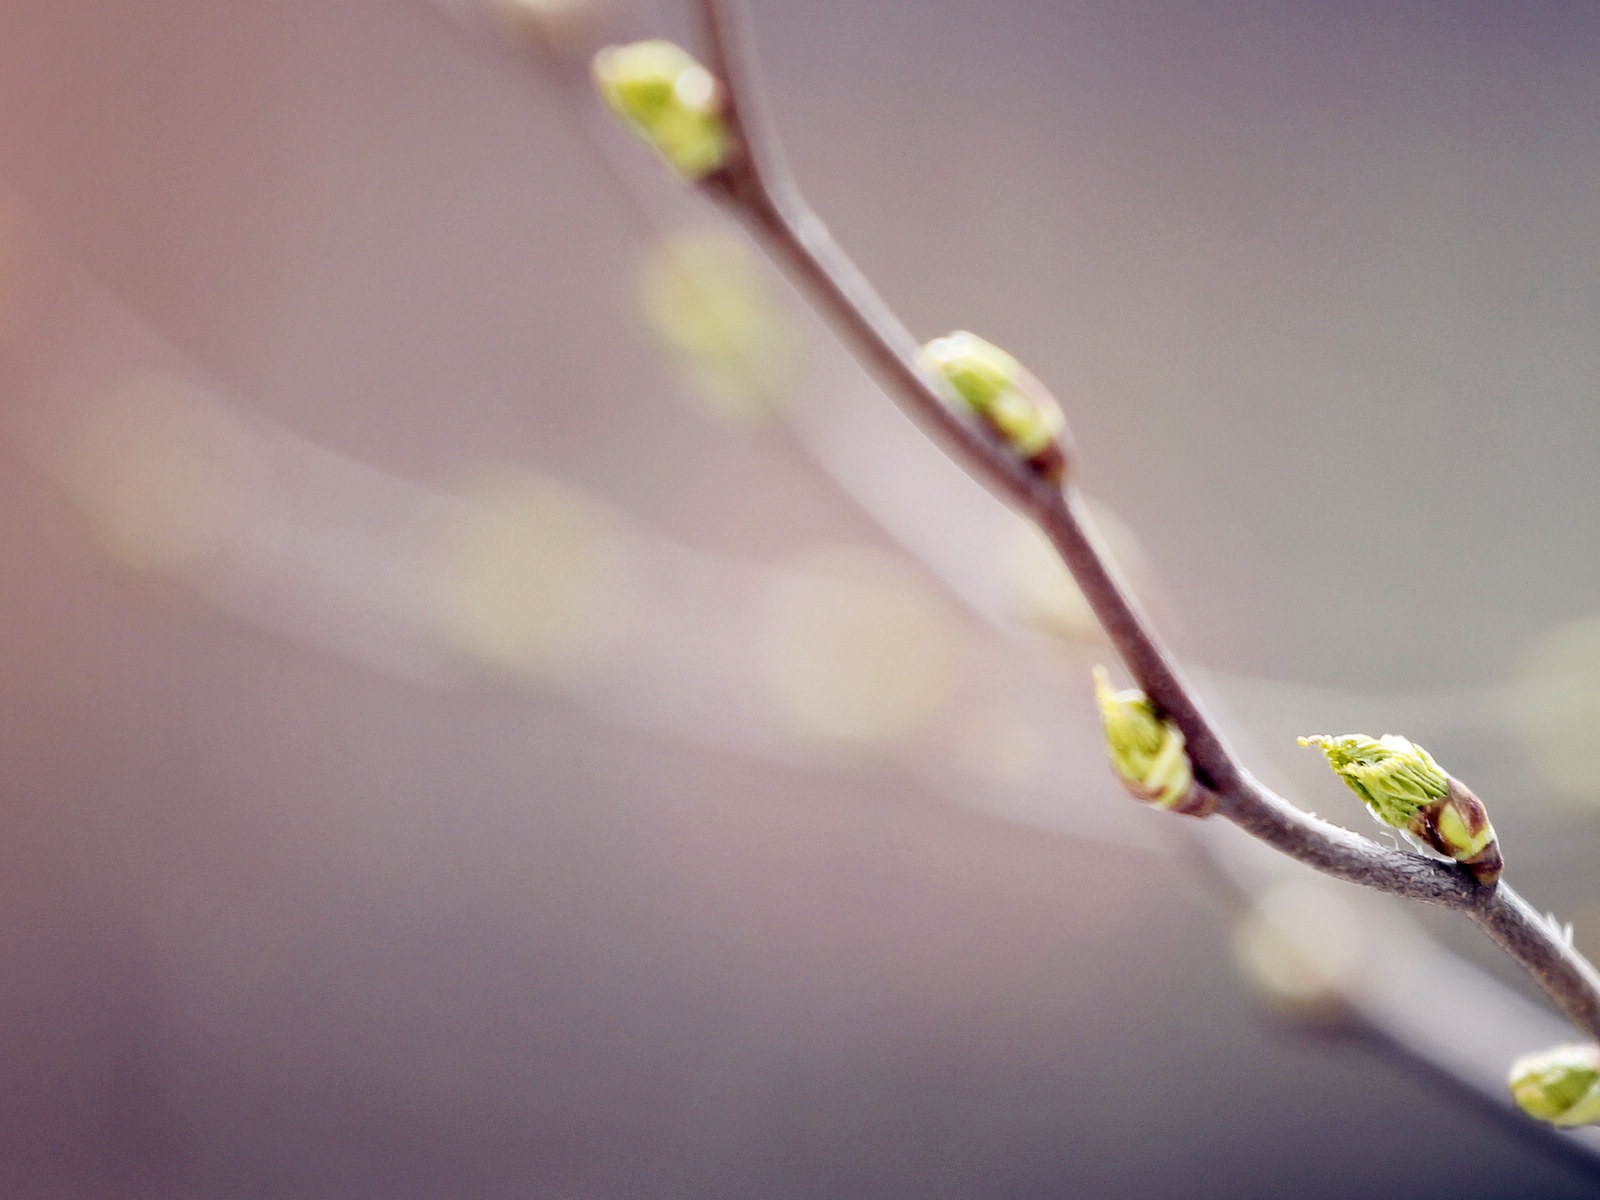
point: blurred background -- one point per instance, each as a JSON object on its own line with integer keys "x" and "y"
{"x": 498, "y": 706}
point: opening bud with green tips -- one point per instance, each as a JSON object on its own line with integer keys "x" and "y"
{"x": 1404, "y": 788}
{"x": 1005, "y": 397}
{"x": 670, "y": 100}
{"x": 1147, "y": 751}
{"x": 1561, "y": 1085}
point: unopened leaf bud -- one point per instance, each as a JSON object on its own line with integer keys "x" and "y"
{"x": 1008, "y": 399}
{"x": 1560, "y": 1085}
{"x": 1403, "y": 787}
{"x": 1147, "y": 751}
{"x": 670, "y": 100}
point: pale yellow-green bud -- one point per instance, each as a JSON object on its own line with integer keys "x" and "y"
{"x": 1306, "y": 946}
{"x": 1405, "y": 789}
{"x": 1147, "y": 751}
{"x": 1003, "y": 395}
{"x": 979, "y": 371}
{"x": 1560, "y": 1085}
{"x": 672, "y": 101}
{"x": 706, "y": 296}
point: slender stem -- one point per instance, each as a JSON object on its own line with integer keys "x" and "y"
{"x": 757, "y": 186}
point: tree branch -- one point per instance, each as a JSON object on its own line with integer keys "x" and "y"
{"x": 757, "y": 186}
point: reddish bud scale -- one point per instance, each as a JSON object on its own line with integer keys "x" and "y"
{"x": 1051, "y": 460}
{"x": 1461, "y": 811}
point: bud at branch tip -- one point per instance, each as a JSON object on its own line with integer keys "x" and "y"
{"x": 670, "y": 100}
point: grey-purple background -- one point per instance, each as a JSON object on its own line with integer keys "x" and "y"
{"x": 1318, "y": 286}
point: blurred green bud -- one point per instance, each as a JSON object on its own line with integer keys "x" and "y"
{"x": 1003, "y": 395}
{"x": 1147, "y": 751}
{"x": 1404, "y": 788}
{"x": 706, "y": 297}
{"x": 672, "y": 101}
{"x": 1306, "y": 946}
{"x": 979, "y": 371}
{"x": 1561, "y": 1085}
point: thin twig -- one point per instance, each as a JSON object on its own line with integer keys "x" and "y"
{"x": 757, "y": 186}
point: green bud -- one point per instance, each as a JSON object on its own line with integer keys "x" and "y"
{"x": 1003, "y": 395}
{"x": 1394, "y": 778}
{"x": 1147, "y": 751}
{"x": 706, "y": 297}
{"x": 1405, "y": 789}
{"x": 670, "y": 100}
{"x": 979, "y": 371}
{"x": 1561, "y": 1085}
